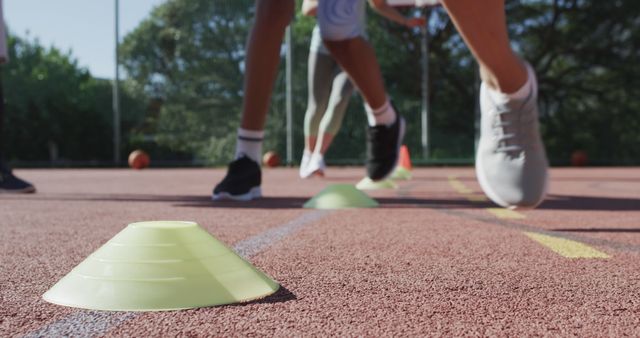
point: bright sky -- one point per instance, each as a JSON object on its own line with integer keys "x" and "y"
{"x": 86, "y": 27}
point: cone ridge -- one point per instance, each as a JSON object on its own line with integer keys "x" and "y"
{"x": 341, "y": 196}
{"x": 155, "y": 266}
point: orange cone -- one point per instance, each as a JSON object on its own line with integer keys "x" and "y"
{"x": 403, "y": 170}
{"x": 405, "y": 159}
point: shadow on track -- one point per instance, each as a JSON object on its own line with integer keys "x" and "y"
{"x": 283, "y": 295}
{"x": 593, "y": 203}
{"x": 553, "y": 202}
{"x": 298, "y": 202}
{"x": 610, "y": 230}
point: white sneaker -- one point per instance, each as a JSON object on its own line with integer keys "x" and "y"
{"x": 315, "y": 167}
{"x": 306, "y": 156}
{"x": 511, "y": 163}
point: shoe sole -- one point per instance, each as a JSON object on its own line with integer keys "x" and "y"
{"x": 253, "y": 193}
{"x": 399, "y": 145}
{"x": 486, "y": 187}
{"x": 27, "y": 190}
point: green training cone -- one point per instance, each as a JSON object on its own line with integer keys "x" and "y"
{"x": 401, "y": 173}
{"x": 368, "y": 184}
{"x": 341, "y": 196}
{"x": 163, "y": 265}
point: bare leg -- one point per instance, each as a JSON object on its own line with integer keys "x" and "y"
{"x": 341, "y": 91}
{"x": 358, "y": 59}
{"x": 321, "y": 71}
{"x": 263, "y": 56}
{"x": 482, "y": 25}
{"x": 342, "y": 27}
{"x": 310, "y": 143}
{"x": 324, "y": 142}
{"x": 511, "y": 164}
{"x": 244, "y": 177}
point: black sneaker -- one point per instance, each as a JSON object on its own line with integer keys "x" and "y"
{"x": 11, "y": 184}
{"x": 242, "y": 182}
{"x": 383, "y": 148}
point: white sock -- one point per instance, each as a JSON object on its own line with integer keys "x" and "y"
{"x": 249, "y": 143}
{"x": 384, "y": 115}
{"x": 520, "y": 94}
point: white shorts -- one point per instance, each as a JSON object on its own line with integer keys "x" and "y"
{"x": 341, "y": 19}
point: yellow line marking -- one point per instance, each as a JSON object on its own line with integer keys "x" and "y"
{"x": 506, "y": 213}
{"x": 565, "y": 247}
{"x": 477, "y": 198}
{"x": 459, "y": 186}
{"x": 462, "y": 189}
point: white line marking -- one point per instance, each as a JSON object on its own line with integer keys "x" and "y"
{"x": 84, "y": 323}
{"x": 253, "y": 245}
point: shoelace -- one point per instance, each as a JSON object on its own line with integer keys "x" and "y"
{"x": 511, "y": 129}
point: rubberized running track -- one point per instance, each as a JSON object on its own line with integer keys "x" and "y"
{"x": 435, "y": 259}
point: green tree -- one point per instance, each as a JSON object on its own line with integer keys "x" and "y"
{"x": 189, "y": 55}
{"x": 55, "y": 110}
{"x": 586, "y": 55}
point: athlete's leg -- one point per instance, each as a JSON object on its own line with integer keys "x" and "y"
{"x": 244, "y": 176}
{"x": 483, "y": 26}
{"x": 358, "y": 58}
{"x": 338, "y": 102}
{"x": 321, "y": 71}
{"x": 342, "y": 27}
{"x": 341, "y": 90}
{"x": 511, "y": 163}
{"x": 263, "y": 56}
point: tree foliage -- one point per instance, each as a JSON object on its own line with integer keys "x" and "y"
{"x": 586, "y": 55}
{"x": 188, "y": 56}
{"x": 185, "y": 65}
{"x": 55, "y": 110}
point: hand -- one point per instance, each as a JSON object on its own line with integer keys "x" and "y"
{"x": 415, "y": 22}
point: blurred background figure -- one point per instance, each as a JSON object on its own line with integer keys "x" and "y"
{"x": 9, "y": 183}
{"x": 329, "y": 90}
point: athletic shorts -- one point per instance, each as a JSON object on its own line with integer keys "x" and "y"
{"x": 341, "y": 19}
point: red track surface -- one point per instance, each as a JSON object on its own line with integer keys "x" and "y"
{"x": 427, "y": 262}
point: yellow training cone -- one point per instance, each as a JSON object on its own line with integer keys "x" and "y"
{"x": 401, "y": 173}
{"x": 368, "y": 184}
{"x": 165, "y": 265}
{"x": 341, "y": 196}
